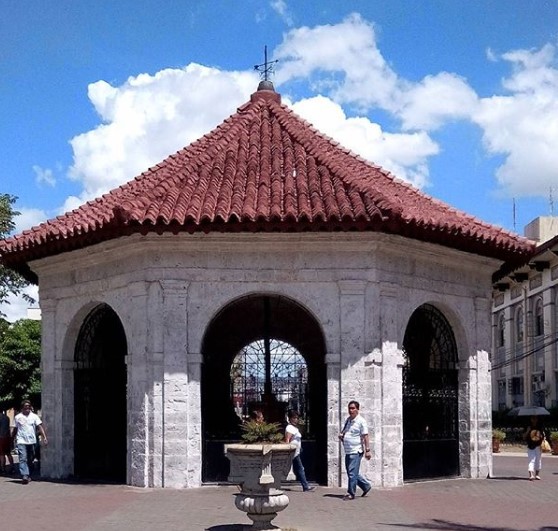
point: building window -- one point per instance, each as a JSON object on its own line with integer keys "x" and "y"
{"x": 519, "y": 325}
{"x": 501, "y": 330}
{"x": 539, "y": 318}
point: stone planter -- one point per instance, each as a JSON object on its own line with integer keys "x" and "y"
{"x": 554, "y": 446}
{"x": 496, "y": 445}
{"x": 259, "y": 470}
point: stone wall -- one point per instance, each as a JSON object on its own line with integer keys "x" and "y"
{"x": 361, "y": 288}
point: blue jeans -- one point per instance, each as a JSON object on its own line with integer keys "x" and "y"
{"x": 298, "y": 469}
{"x": 352, "y": 464}
{"x": 26, "y": 454}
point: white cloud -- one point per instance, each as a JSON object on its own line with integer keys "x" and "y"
{"x": 16, "y": 307}
{"x": 350, "y": 66}
{"x": 149, "y": 117}
{"x": 29, "y": 217}
{"x": 44, "y": 176}
{"x": 523, "y": 125}
{"x": 436, "y": 100}
{"x": 281, "y": 8}
{"x": 404, "y": 154}
{"x": 344, "y": 62}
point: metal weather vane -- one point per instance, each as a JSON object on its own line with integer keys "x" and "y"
{"x": 267, "y": 67}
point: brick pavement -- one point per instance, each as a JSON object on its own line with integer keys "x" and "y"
{"x": 508, "y": 502}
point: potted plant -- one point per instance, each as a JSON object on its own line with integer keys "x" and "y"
{"x": 497, "y": 437}
{"x": 554, "y": 442}
{"x": 258, "y": 466}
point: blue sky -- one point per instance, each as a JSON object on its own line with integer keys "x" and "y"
{"x": 458, "y": 97}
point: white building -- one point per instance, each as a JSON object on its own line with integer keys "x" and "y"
{"x": 525, "y": 324}
{"x": 163, "y": 303}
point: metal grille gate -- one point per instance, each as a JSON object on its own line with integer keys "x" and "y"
{"x": 100, "y": 398}
{"x": 430, "y": 397}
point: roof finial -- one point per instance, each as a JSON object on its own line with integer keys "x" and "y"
{"x": 265, "y": 69}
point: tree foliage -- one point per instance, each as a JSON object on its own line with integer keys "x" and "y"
{"x": 10, "y": 281}
{"x": 20, "y": 358}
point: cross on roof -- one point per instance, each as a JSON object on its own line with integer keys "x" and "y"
{"x": 266, "y": 67}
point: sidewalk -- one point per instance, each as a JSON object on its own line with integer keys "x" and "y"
{"x": 506, "y": 502}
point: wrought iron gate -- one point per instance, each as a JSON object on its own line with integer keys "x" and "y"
{"x": 262, "y": 353}
{"x": 430, "y": 397}
{"x": 100, "y": 398}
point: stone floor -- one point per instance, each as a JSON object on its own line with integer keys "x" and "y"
{"x": 506, "y": 502}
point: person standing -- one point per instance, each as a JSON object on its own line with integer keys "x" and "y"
{"x": 534, "y": 436}
{"x": 293, "y": 436}
{"x": 5, "y": 444}
{"x": 356, "y": 443}
{"x": 26, "y": 426}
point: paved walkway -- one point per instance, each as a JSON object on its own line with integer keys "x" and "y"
{"x": 507, "y": 502}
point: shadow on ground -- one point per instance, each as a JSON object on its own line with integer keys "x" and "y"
{"x": 446, "y": 525}
{"x": 514, "y": 478}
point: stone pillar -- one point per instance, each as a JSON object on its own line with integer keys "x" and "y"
{"x": 335, "y": 414}
{"x": 387, "y": 368}
{"x": 193, "y": 472}
{"x": 355, "y": 378}
{"x": 476, "y": 444}
{"x": 51, "y": 409}
{"x": 144, "y": 346}
{"x": 175, "y": 391}
{"x": 549, "y": 332}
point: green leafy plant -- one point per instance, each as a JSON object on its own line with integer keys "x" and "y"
{"x": 554, "y": 435}
{"x": 261, "y": 432}
{"x": 498, "y": 434}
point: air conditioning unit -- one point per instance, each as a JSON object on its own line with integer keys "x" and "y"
{"x": 538, "y": 383}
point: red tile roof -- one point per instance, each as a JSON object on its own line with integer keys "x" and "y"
{"x": 263, "y": 169}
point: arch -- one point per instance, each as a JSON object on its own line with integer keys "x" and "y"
{"x": 430, "y": 396}
{"x": 100, "y": 401}
{"x": 243, "y": 322}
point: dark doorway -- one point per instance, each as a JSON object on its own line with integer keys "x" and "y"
{"x": 263, "y": 352}
{"x": 430, "y": 397}
{"x": 100, "y": 423}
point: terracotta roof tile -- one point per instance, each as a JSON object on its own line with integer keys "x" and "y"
{"x": 264, "y": 168}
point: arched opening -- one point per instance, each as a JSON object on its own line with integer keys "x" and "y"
{"x": 263, "y": 352}
{"x": 100, "y": 423}
{"x": 430, "y": 397}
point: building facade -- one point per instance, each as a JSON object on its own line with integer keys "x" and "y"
{"x": 525, "y": 325}
{"x": 263, "y": 266}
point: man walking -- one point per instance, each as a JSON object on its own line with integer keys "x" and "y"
{"x": 356, "y": 443}
{"x": 25, "y": 435}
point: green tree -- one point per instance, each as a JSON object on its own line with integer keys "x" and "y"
{"x": 10, "y": 281}
{"x": 20, "y": 359}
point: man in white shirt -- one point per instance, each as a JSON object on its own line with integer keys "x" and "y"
{"x": 25, "y": 435}
{"x": 356, "y": 443}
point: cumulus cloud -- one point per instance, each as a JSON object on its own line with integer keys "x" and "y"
{"x": 343, "y": 62}
{"x": 16, "y": 307}
{"x": 28, "y": 217}
{"x": 152, "y": 115}
{"x": 149, "y": 117}
{"x": 281, "y": 8}
{"x": 522, "y": 126}
{"x": 404, "y": 154}
{"x": 435, "y": 100}
{"x": 44, "y": 176}
{"x": 347, "y": 52}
